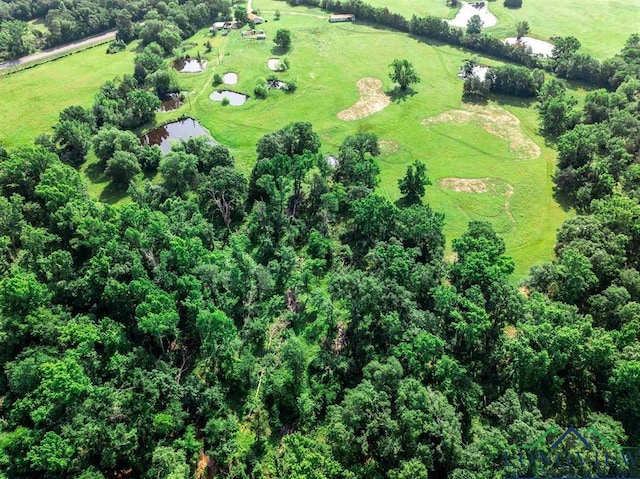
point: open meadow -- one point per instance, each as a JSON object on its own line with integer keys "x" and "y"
{"x": 32, "y": 98}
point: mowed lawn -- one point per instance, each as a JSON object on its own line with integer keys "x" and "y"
{"x": 32, "y": 99}
{"x": 326, "y": 61}
{"x": 602, "y": 26}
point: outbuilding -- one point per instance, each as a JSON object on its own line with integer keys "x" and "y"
{"x": 345, "y": 17}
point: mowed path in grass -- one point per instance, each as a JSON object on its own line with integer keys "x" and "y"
{"x": 32, "y": 98}
{"x": 327, "y": 60}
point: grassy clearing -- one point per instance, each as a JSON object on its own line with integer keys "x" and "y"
{"x": 602, "y": 26}
{"x": 408, "y": 8}
{"x": 33, "y": 98}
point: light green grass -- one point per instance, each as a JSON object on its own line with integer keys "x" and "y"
{"x": 326, "y": 61}
{"x": 421, "y": 8}
{"x": 602, "y": 26}
{"x": 33, "y": 98}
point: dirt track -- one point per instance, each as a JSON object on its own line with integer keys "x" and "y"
{"x": 57, "y": 50}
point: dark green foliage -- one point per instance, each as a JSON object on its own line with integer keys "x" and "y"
{"x": 283, "y": 39}
{"x": 403, "y": 73}
{"x": 413, "y": 184}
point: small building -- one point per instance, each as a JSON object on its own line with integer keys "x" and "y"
{"x": 345, "y": 17}
{"x": 255, "y": 18}
{"x": 218, "y": 25}
{"x": 261, "y": 36}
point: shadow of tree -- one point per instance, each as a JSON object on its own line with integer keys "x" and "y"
{"x": 398, "y": 95}
{"x": 113, "y": 193}
{"x": 95, "y": 172}
{"x": 279, "y": 51}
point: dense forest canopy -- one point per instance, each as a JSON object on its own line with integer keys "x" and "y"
{"x": 296, "y": 323}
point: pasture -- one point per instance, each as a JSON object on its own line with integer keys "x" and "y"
{"x": 32, "y": 98}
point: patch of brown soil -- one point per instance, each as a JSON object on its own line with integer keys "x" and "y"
{"x": 388, "y": 147}
{"x": 494, "y": 120}
{"x": 203, "y": 468}
{"x": 372, "y": 100}
{"x": 493, "y": 186}
{"x": 510, "y": 331}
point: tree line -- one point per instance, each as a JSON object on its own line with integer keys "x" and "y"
{"x": 69, "y": 21}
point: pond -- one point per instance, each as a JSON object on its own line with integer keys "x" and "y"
{"x": 170, "y": 102}
{"x": 190, "y": 66}
{"x": 230, "y": 78}
{"x": 235, "y": 98}
{"x": 276, "y": 84}
{"x": 182, "y": 129}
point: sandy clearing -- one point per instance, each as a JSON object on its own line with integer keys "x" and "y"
{"x": 494, "y": 186}
{"x": 372, "y": 100}
{"x": 494, "y": 120}
{"x": 538, "y": 47}
{"x": 388, "y": 147}
{"x": 468, "y": 10}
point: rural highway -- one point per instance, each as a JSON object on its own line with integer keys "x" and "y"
{"x": 57, "y": 50}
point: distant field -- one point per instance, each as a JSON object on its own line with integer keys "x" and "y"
{"x": 33, "y": 98}
{"x": 436, "y": 8}
{"x": 602, "y": 26}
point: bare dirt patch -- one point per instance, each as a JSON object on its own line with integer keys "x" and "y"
{"x": 492, "y": 186}
{"x": 372, "y": 100}
{"x": 388, "y": 147}
{"x": 494, "y": 120}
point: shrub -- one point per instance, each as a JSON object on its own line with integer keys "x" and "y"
{"x": 116, "y": 46}
{"x": 225, "y": 101}
{"x": 260, "y": 90}
{"x": 292, "y": 86}
{"x": 217, "y": 79}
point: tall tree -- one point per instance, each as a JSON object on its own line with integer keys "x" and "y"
{"x": 403, "y": 73}
{"x": 413, "y": 184}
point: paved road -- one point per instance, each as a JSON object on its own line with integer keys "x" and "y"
{"x": 57, "y": 50}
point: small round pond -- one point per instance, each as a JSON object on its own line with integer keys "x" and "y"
{"x": 230, "y": 78}
{"x": 274, "y": 64}
{"x": 190, "y": 66}
{"x": 182, "y": 129}
{"x": 170, "y": 102}
{"x": 234, "y": 97}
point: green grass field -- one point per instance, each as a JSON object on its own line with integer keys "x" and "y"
{"x": 33, "y": 98}
{"x": 408, "y": 8}
{"x": 602, "y": 26}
